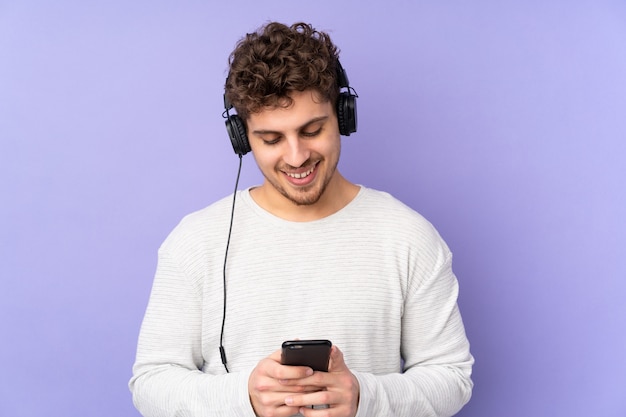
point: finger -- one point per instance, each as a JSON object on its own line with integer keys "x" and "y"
{"x": 282, "y": 410}
{"x": 286, "y": 373}
{"x": 274, "y": 369}
{"x": 300, "y": 385}
{"x": 276, "y": 355}
{"x": 336, "y": 363}
{"x": 319, "y": 398}
{"x": 268, "y": 398}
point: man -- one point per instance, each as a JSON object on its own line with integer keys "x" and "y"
{"x": 311, "y": 256}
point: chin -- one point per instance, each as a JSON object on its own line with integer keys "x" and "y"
{"x": 307, "y": 198}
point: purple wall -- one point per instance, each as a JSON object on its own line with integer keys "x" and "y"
{"x": 503, "y": 124}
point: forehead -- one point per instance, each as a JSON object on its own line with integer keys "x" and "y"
{"x": 305, "y": 106}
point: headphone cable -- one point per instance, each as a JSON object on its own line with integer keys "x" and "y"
{"x": 230, "y": 229}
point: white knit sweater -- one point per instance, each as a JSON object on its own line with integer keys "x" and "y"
{"x": 375, "y": 278}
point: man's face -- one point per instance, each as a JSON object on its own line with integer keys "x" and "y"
{"x": 296, "y": 148}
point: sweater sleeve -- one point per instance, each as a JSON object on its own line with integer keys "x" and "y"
{"x": 437, "y": 363}
{"x": 167, "y": 376}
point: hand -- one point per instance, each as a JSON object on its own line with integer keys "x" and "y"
{"x": 338, "y": 388}
{"x": 268, "y": 388}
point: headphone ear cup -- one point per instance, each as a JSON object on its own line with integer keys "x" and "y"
{"x": 237, "y": 133}
{"x": 346, "y": 113}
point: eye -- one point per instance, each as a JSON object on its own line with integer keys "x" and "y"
{"x": 308, "y": 134}
{"x": 271, "y": 141}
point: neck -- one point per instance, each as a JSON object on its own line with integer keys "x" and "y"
{"x": 338, "y": 194}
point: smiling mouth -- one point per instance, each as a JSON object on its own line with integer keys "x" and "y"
{"x": 300, "y": 175}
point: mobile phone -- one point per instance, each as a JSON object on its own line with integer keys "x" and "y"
{"x": 312, "y": 353}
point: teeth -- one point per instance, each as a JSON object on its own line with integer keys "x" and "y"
{"x": 301, "y": 175}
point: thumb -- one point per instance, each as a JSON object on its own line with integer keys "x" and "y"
{"x": 336, "y": 362}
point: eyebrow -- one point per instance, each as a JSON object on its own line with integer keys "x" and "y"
{"x": 310, "y": 122}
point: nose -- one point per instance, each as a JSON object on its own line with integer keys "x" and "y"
{"x": 296, "y": 153}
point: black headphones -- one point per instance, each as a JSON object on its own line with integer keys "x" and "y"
{"x": 346, "y": 115}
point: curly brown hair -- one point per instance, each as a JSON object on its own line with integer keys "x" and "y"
{"x": 269, "y": 64}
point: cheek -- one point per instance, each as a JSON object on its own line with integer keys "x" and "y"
{"x": 264, "y": 160}
{"x": 333, "y": 148}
